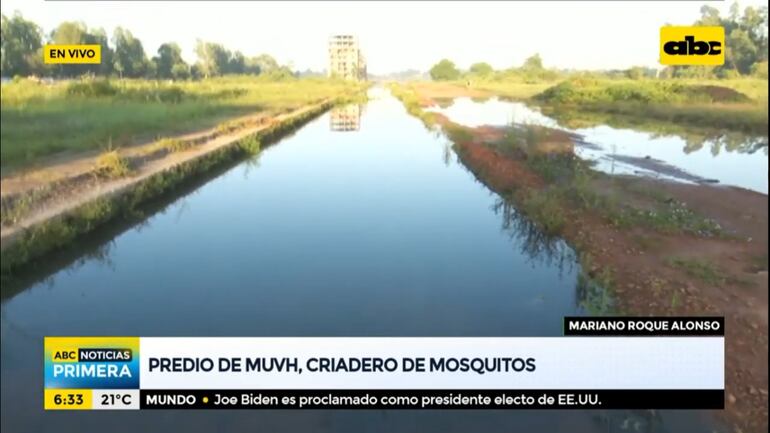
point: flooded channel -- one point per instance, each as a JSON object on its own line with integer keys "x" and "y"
{"x": 362, "y": 223}
{"x": 619, "y": 145}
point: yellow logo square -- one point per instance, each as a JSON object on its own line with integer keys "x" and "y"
{"x": 686, "y": 45}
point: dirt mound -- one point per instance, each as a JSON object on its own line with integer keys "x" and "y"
{"x": 721, "y": 94}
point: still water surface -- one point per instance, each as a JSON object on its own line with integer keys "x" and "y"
{"x": 360, "y": 224}
{"x": 648, "y": 148}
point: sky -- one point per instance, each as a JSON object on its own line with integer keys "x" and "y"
{"x": 394, "y": 35}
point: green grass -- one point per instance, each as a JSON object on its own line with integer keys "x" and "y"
{"x": 734, "y": 104}
{"x": 411, "y": 102}
{"x": 739, "y": 104}
{"x": 39, "y": 120}
{"x": 595, "y": 287}
{"x": 545, "y": 209}
{"x": 112, "y": 166}
{"x": 511, "y": 89}
{"x": 58, "y": 232}
{"x": 705, "y": 271}
{"x": 582, "y": 91}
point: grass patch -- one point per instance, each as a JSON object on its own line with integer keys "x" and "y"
{"x": 705, "y": 271}
{"x": 717, "y": 104}
{"x": 14, "y": 209}
{"x": 250, "y": 145}
{"x": 582, "y": 90}
{"x": 544, "y": 208}
{"x": 670, "y": 217}
{"x": 513, "y": 90}
{"x": 57, "y": 232}
{"x": 594, "y": 288}
{"x": 112, "y": 166}
{"x": 41, "y": 119}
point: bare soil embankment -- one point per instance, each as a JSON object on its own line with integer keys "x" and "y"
{"x": 656, "y": 273}
{"x": 661, "y": 263}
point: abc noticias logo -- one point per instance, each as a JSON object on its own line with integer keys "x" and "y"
{"x": 94, "y": 355}
{"x": 688, "y": 45}
{"x": 91, "y": 362}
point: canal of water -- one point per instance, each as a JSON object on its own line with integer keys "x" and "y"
{"x": 363, "y": 223}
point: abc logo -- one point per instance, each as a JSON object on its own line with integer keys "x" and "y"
{"x": 692, "y": 45}
{"x": 689, "y": 46}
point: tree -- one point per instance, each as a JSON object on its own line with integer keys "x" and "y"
{"x": 169, "y": 62}
{"x": 745, "y": 38}
{"x": 740, "y": 51}
{"x": 76, "y": 33}
{"x": 213, "y": 58}
{"x": 264, "y": 62}
{"x": 181, "y": 71}
{"x": 639, "y": 72}
{"x": 236, "y": 64}
{"x": 99, "y": 36}
{"x": 252, "y": 66}
{"x": 20, "y": 44}
{"x": 482, "y": 69}
{"x": 444, "y": 70}
{"x": 533, "y": 63}
{"x": 709, "y": 16}
{"x": 129, "y": 58}
{"x": 759, "y": 70}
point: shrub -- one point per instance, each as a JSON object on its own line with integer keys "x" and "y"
{"x": 91, "y": 88}
{"x": 759, "y": 70}
{"x": 111, "y": 165}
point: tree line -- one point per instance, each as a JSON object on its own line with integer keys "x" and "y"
{"x": 531, "y": 70}
{"x": 123, "y": 55}
{"x": 746, "y": 46}
{"x": 746, "y": 53}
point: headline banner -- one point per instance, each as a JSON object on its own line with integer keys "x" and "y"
{"x": 235, "y": 372}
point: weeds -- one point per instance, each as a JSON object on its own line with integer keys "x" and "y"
{"x": 250, "y": 145}
{"x": 13, "y": 210}
{"x": 705, "y": 271}
{"x": 714, "y": 104}
{"x": 229, "y": 126}
{"x": 594, "y": 288}
{"x": 544, "y": 207}
{"x": 671, "y": 217}
{"x": 175, "y": 144}
{"x": 39, "y": 120}
{"x": 112, "y": 165}
{"x": 58, "y": 232}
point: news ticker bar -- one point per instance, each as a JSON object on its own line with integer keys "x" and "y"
{"x": 408, "y": 399}
{"x": 659, "y": 357}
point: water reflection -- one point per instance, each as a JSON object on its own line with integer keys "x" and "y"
{"x": 632, "y": 146}
{"x": 362, "y": 234}
{"x": 695, "y": 138}
{"x": 533, "y": 242}
{"x": 345, "y": 118}
{"x": 97, "y": 247}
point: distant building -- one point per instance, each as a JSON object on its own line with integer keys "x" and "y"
{"x": 345, "y": 58}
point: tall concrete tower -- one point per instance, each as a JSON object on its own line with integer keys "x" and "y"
{"x": 345, "y": 58}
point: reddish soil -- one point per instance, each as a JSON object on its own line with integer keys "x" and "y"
{"x": 644, "y": 280}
